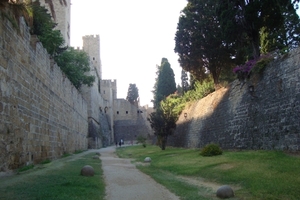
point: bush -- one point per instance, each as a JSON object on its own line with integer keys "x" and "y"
{"x": 141, "y": 139}
{"x": 211, "y": 150}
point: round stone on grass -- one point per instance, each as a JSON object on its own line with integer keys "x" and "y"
{"x": 224, "y": 192}
{"x": 147, "y": 159}
{"x": 87, "y": 170}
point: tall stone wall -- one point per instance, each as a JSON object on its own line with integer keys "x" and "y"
{"x": 42, "y": 115}
{"x": 234, "y": 118}
{"x": 129, "y": 121}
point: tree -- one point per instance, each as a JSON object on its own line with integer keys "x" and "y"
{"x": 163, "y": 122}
{"x": 133, "y": 94}
{"x": 184, "y": 81}
{"x": 199, "y": 41}
{"x": 165, "y": 82}
{"x": 75, "y": 63}
{"x": 287, "y": 36}
{"x": 242, "y": 21}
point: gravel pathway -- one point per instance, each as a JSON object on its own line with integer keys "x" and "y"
{"x": 125, "y": 182}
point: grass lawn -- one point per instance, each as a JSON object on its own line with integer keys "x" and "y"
{"x": 258, "y": 174}
{"x": 56, "y": 180}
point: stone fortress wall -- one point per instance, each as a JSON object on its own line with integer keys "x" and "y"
{"x": 42, "y": 115}
{"x": 234, "y": 118}
{"x": 100, "y": 130}
{"x": 130, "y": 121}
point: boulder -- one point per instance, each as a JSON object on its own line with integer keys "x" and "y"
{"x": 147, "y": 159}
{"x": 98, "y": 153}
{"x": 95, "y": 157}
{"x": 87, "y": 170}
{"x": 224, "y": 192}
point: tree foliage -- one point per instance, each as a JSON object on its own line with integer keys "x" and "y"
{"x": 184, "y": 81}
{"x": 165, "y": 82}
{"x": 133, "y": 94}
{"x": 199, "y": 41}
{"x": 243, "y": 22}
{"x": 75, "y": 64}
{"x": 163, "y": 122}
{"x": 43, "y": 27}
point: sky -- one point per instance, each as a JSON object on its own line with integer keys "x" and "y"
{"x": 134, "y": 36}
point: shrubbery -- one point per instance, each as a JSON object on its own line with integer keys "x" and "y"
{"x": 211, "y": 150}
{"x": 141, "y": 139}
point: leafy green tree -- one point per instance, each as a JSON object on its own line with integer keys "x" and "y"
{"x": 165, "y": 82}
{"x": 199, "y": 41}
{"x": 133, "y": 94}
{"x": 75, "y": 64}
{"x": 163, "y": 121}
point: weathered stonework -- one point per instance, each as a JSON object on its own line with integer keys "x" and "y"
{"x": 130, "y": 121}
{"x": 235, "y": 119}
{"x": 42, "y": 115}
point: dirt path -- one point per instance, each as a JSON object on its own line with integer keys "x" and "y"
{"x": 123, "y": 180}
{"x": 126, "y": 182}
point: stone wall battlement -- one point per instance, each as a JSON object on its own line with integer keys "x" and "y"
{"x": 91, "y": 36}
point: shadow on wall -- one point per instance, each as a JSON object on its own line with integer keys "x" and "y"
{"x": 236, "y": 118}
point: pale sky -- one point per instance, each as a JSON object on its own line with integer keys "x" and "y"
{"x": 134, "y": 36}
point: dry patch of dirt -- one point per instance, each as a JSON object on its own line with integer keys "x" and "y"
{"x": 225, "y": 166}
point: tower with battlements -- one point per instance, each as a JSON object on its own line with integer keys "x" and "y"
{"x": 91, "y": 45}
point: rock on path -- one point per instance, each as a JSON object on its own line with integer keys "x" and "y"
{"x": 124, "y": 181}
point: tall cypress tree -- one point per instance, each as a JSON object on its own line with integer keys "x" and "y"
{"x": 162, "y": 121}
{"x": 165, "y": 82}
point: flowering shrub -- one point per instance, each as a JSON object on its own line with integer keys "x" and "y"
{"x": 243, "y": 71}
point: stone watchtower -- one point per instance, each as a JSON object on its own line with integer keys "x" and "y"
{"x": 60, "y": 11}
{"x": 91, "y": 45}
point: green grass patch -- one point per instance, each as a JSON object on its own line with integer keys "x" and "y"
{"x": 45, "y": 162}
{"x": 61, "y": 181}
{"x": 25, "y": 168}
{"x": 260, "y": 174}
{"x": 79, "y": 151}
{"x": 66, "y": 155}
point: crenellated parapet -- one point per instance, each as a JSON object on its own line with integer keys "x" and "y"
{"x": 91, "y": 45}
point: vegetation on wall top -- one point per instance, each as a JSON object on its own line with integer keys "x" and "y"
{"x": 75, "y": 64}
